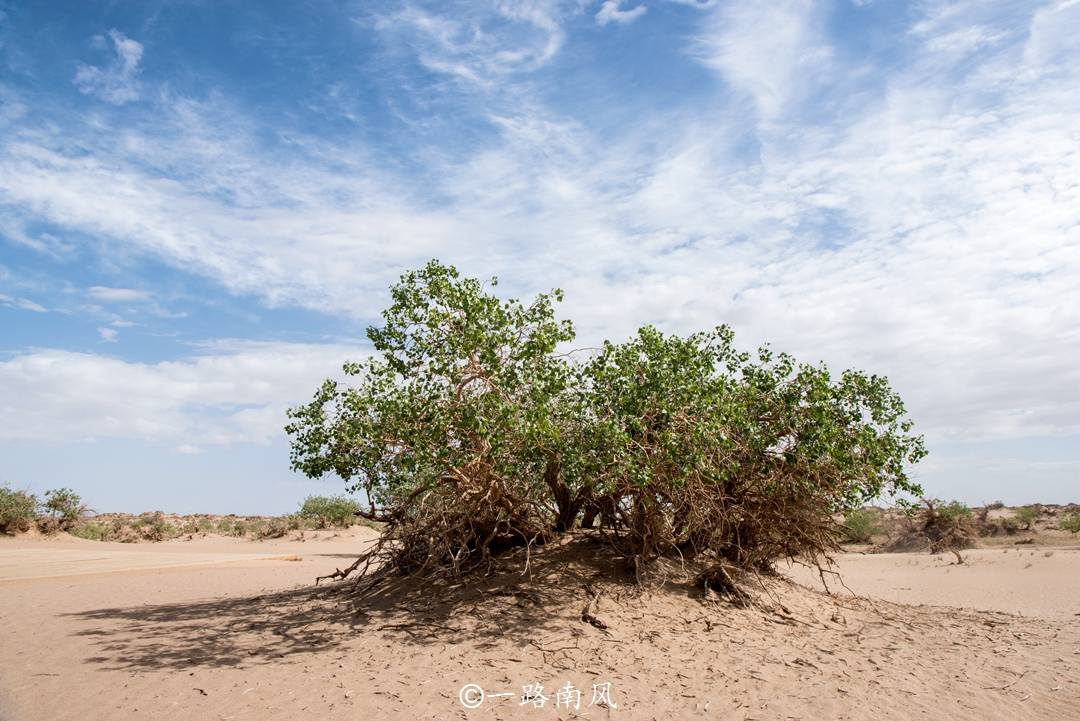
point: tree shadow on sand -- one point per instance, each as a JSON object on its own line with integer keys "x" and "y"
{"x": 232, "y": 632}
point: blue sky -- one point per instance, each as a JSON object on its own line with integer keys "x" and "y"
{"x": 202, "y": 205}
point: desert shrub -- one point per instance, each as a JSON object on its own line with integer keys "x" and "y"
{"x": 90, "y": 530}
{"x": 995, "y": 506}
{"x": 65, "y": 506}
{"x": 860, "y": 526}
{"x": 470, "y": 433}
{"x": 273, "y": 528}
{"x": 48, "y": 525}
{"x": 237, "y": 527}
{"x": 1027, "y": 515}
{"x": 18, "y": 510}
{"x": 949, "y": 526}
{"x": 1070, "y": 522}
{"x": 153, "y": 527}
{"x": 327, "y": 511}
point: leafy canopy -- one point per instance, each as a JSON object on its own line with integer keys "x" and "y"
{"x": 469, "y": 431}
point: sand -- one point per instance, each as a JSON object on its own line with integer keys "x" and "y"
{"x": 217, "y": 629}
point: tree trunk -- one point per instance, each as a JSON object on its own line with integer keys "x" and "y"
{"x": 567, "y": 505}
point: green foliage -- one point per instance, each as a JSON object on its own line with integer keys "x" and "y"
{"x": 273, "y": 528}
{"x": 1027, "y": 515}
{"x": 237, "y": 527}
{"x": 91, "y": 530}
{"x": 1070, "y": 522}
{"x": 952, "y": 511}
{"x": 948, "y": 526}
{"x": 327, "y": 511}
{"x": 65, "y": 505}
{"x": 469, "y": 432}
{"x": 18, "y": 510}
{"x": 860, "y": 526}
{"x": 153, "y": 527}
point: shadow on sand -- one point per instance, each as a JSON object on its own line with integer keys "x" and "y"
{"x": 251, "y": 630}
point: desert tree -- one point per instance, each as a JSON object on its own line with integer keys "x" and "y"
{"x": 699, "y": 448}
{"x": 470, "y": 430}
{"x": 451, "y": 427}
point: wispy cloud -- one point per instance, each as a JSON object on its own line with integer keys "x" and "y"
{"x": 224, "y": 395}
{"x": 771, "y": 52}
{"x": 480, "y": 44}
{"x": 928, "y": 231}
{"x": 22, "y": 304}
{"x": 117, "y": 82}
{"x": 611, "y": 11}
{"x": 105, "y": 294}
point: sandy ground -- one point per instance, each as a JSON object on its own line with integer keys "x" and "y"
{"x": 1026, "y": 581}
{"x": 216, "y": 629}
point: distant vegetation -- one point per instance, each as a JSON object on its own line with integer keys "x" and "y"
{"x": 1027, "y": 515}
{"x": 63, "y": 510}
{"x": 1070, "y": 522}
{"x": 860, "y": 526}
{"x": 18, "y": 510}
{"x": 327, "y": 511}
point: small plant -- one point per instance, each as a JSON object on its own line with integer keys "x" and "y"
{"x": 18, "y": 510}
{"x": 154, "y": 527}
{"x": 239, "y": 528}
{"x": 860, "y": 526}
{"x": 1027, "y": 515}
{"x": 91, "y": 531}
{"x": 64, "y": 505}
{"x": 327, "y": 511}
{"x": 949, "y": 526}
{"x": 955, "y": 510}
{"x": 1070, "y": 522}
{"x": 274, "y": 528}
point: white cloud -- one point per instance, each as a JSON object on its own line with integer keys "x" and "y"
{"x": 22, "y": 304}
{"x": 109, "y": 335}
{"x": 929, "y": 234}
{"x": 105, "y": 294}
{"x": 611, "y": 12}
{"x": 117, "y": 83}
{"x": 480, "y": 43}
{"x": 771, "y": 52}
{"x": 230, "y": 393}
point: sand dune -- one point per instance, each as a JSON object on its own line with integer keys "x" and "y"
{"x": 240, "y": 638}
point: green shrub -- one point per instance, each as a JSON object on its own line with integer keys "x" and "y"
{"x": 1070, "y": 522}
{"x": 860, "y": 526}
{"x": 65, "y": 505}
{"x": 238, "y": 528}
{"x": 949, "y": 526}
{"x": 154, "y": 527}
{"x": 90, "y": 530}
{"x": 471, "y": 431}
{"x": 18, "y": 510}
{"x": 953, "y": 511}
{"x": 274, "y": 528}
{"x": 328, "y": 511}
{"x": 1027, "y": 515}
